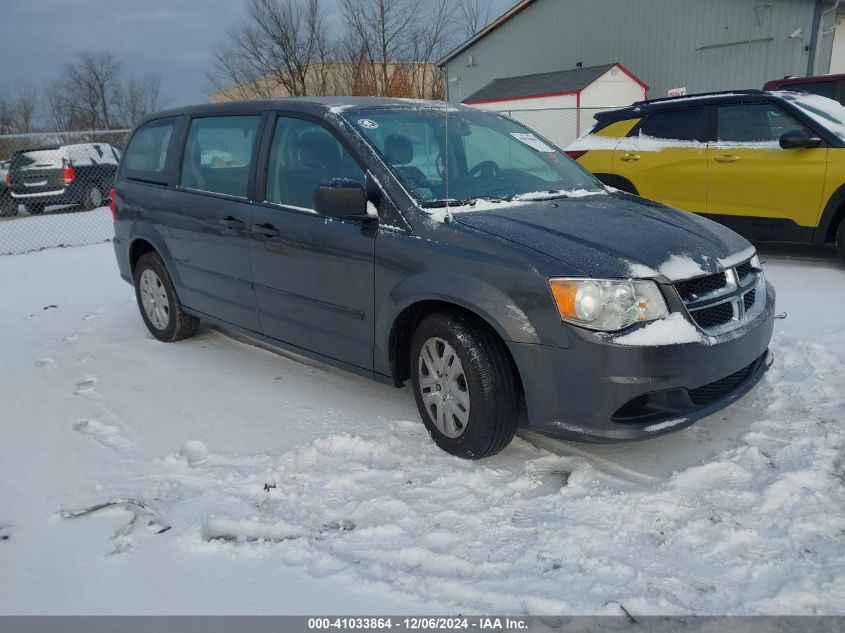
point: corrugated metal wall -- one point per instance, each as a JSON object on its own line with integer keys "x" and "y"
{"x": 701, "y": 44}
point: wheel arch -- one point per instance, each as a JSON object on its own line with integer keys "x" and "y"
{"x": 832, "y": 215}
{"x": 618, "y": 182}
{"x": 416, "y": 295}
{"x": 147, "y": 239}
{"x": 406, "y": 322}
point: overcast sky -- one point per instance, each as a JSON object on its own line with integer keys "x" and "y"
{"x": 170, "y": 38}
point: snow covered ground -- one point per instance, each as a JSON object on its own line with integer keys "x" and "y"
{"x": 249, "y": 482}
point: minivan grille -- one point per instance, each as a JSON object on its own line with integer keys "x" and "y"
{"x": 702, "y": 396}
{"x": 743, "y": 270}
{"x": 722, "y": 301}
{"x": 714, "y": 315}
{"x": 749, "y": 299}
{"x": 692, "y": 289}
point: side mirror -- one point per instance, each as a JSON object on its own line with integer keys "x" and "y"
{"x": 798, "y": 139}
{"x": 340, "y": 198}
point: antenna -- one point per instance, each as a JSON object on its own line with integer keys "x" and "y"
{"x": 446, "y": 164}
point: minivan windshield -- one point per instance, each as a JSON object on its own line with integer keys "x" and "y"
{"x": 468, "y": 155}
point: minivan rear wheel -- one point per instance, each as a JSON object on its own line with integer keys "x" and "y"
{"x": 465, "y": 385}
{"x": 158, "y": 302}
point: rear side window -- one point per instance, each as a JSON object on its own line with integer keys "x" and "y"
{"x": 303, "y": 155}
{"x": 754, "y": 123}
{"x": 679, "y": 125}
{"x": 146, "y": 157}
{"x": 37, "y": 159}
{"x": 218, "y": 154}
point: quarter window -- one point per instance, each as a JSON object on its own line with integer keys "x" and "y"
{"x": 679, "y": 125}
{"x": 146, "y": 156}
{"x": 754, "y": 123}
{"x": 218, "y": 154}
{"x": 303, "y": 155}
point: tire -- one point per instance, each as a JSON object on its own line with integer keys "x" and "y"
{"x": 490, "y": 384}
{"x": 840, "y": 239}
{"x": 93, "y": 198}
{"x": 35, "y": 209}
{"x": 153, "y": 287}
{"x": 8, "y": 208}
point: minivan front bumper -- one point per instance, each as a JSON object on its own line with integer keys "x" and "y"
{"x": 599, "y": 391}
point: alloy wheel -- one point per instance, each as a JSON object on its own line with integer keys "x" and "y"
{"x": 443, "y": 386}
{"x": 154, "y": 299}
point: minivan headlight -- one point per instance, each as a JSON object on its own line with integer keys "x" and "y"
{"x": 607, "y": 304}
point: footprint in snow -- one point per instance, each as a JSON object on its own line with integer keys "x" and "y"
{"x": 106, "y": 434}
{"x": 46, "y": 363}
{"x": 93, "y": 315}
{"x": 86, "y": 385}
{"x": 72, "y": 338}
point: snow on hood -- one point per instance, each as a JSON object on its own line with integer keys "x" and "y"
{"x": 615, "y": 236}
{"x": 679, "y": 267}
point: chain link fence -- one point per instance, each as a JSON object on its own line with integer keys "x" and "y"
{"x": 54, "y": 188}
{"x": 560, "y": 125}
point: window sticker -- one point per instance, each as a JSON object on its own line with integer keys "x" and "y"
{"x": 531, "y": 141}
{"x": 368, "y": 124}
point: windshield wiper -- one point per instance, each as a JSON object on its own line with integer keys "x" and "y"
{"x": 465, "y": 202}
{"x": 553, "y": 194}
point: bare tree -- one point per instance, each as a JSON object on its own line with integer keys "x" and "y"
{"x": 62, "y": 114}
{"x": 277, "y": 45}
{"x": 92, "y": 84}
{"x": 138, "y": 98}
{"x": 25, "y": 105}
{"x": 92, "y": 96}
{"x": 6, "y": 120}
{"x": 474, "y": 16}
{"x": 428, "y": 42}
{"x": 378, "y": 34}
{"x": 17, "y": 111}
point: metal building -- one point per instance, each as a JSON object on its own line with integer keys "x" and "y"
{"x": 699, "y": 45}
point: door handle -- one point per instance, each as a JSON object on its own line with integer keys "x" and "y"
{"x": 267, "y": 230}
{"x": 630, "y": 157}
{"x": 231, "y": 223}
{"x": 726, "y": 158}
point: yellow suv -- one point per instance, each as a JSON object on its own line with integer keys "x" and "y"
{"x": 770, "y": 165}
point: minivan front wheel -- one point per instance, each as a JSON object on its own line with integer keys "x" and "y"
{"x": 157, "y": 300}
{"x": 465, "y": 385}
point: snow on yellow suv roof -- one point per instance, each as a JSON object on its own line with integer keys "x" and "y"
{"x": 770, "y": 165}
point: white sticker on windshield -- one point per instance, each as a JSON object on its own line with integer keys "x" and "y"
{"x": 368, "y": 124}
{"x": 531, "y": 141}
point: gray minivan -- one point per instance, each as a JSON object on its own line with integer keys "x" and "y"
{"x": 445, "y": 246}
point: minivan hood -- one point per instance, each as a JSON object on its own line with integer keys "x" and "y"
{"x": 616, "y": 235}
